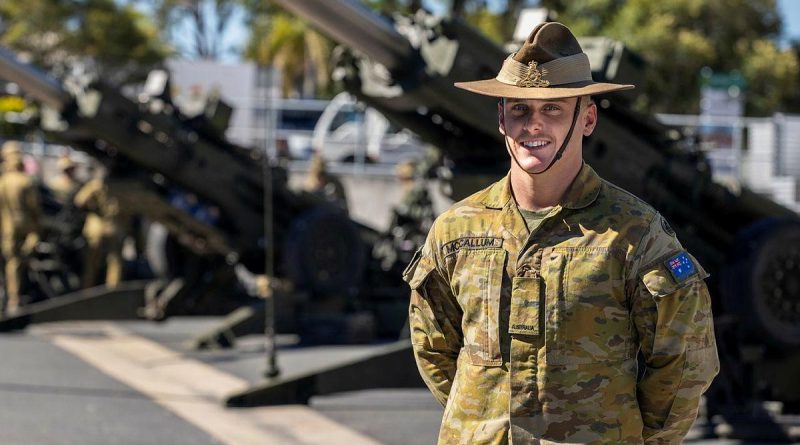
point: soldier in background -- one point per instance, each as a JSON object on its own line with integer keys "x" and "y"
{"x": 411, "y": 219}
{"x": 103, "y": 230}
{"x": 325, "y": 185}
{"x": 65, "y": 185}
{"x": 20, "y": 216}
{"x": 416, "y": 207}
{"x": 66, "y": 226}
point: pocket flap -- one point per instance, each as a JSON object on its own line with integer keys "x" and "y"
{"x": 418, "y": 269}
{"x": 672, "y": 273}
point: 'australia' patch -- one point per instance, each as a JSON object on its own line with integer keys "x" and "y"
{"x": 681, "y": 267}
{"x": 472, "y": 243}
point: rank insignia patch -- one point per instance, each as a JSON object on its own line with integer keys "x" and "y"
{"x": 681, "y": 267}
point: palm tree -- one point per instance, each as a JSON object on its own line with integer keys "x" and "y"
{"x": 298, "y": 51}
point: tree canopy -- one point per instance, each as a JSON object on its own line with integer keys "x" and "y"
{"x": 300, "y": 52}
{"x": 197, "y": 28}
{"x": 679, "y": 37}
{"x": 118, "y": 41}
{"x": 303, "y": 54}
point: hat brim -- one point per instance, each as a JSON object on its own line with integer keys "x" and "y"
{"x": 494, "y": 88}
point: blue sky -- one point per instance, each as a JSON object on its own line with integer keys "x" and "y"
{"x": 790, "y": 11}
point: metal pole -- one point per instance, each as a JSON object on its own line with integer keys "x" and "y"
{"x": 270, "y": 149}
{"x": 360, "y": 158}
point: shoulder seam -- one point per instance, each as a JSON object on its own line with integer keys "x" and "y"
{"x": 641, "y": 240}
{"x": 635, "y": 198}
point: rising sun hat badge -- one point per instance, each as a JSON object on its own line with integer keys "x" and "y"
{"x": 533, "y": 77}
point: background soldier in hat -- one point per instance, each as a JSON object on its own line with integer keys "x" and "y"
{"x": 416, "y": 207}
{"x": 411, "y": 219}
{"x": 325, "y": 185}
{"x": 19, "y": 220}
{"x": 531, "y": 298}
{"x": 65, "y": 185}
{"x": 104, "y": 230}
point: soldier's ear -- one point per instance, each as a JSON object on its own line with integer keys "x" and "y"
{"x": 589, "y": 118}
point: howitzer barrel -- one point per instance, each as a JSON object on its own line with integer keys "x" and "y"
{"x": 351, "y": 23}
{"x": 424, "y": 57}
{"x": 36, "y": 83}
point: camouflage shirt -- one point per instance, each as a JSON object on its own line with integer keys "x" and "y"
{"x": 19, "y": 205}
{"x": 532, "y": 338}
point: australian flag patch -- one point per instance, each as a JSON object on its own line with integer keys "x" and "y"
{"x": 681, "y": 267}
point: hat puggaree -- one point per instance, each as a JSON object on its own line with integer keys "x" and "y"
{"x": 549, "y": 65}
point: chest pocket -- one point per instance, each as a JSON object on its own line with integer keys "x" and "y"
{"x": 587, "y": 319}
{"x": 477, "y": 283}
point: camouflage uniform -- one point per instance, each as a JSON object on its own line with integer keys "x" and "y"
{"x": 532, "y": 338}
{"x": 64, "y": 186}
{"x": 104, "y": 232}
{"x": 20, "y": 216}
{"x": 416, "y": 207}
{"x": 325, "y": 185}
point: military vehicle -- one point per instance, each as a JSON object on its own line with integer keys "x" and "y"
{"x": 405, "y": 67}
{"x": 209, "y": 194}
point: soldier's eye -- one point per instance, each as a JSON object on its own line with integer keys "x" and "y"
{"x": 551, "y": 108}
{"x": 519, "y": 109}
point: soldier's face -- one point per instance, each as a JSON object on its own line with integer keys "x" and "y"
{"x": 534, "y": 130}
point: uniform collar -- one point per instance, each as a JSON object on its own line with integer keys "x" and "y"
{"x": 582, "y": 192}
{"x": 584, "y": 189}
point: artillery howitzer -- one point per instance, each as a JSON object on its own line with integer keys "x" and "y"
{"x": 158, "y": 156}
{"x": 406, "y": 66}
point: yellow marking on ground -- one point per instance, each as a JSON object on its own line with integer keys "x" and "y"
{"x": 194, "y": 391}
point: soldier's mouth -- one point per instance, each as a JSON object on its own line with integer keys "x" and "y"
{"x": 535, "y": 144}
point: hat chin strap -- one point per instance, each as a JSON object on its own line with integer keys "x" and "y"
{"x": 561, "y": 150}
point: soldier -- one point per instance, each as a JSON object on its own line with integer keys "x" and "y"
{"x": 531, "y": 298}
{"x": 415, "y": 207}
{"x": 325, "y": 185}
{"x": 19, "y": 220}
{"x": 65, "y": 185}
{"x": 412, "y": 218}
{"x": 103, "y": 230}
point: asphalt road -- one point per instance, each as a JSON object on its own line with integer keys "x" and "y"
{"x": 139, "y": 383}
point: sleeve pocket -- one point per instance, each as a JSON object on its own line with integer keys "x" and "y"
{"x": 418, "y": 270}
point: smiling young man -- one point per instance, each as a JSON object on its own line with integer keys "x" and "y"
{"x": 532, "y": 298}
{"x": 534, "y": 130}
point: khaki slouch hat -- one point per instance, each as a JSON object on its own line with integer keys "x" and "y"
{"x": 549, "y": 65}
